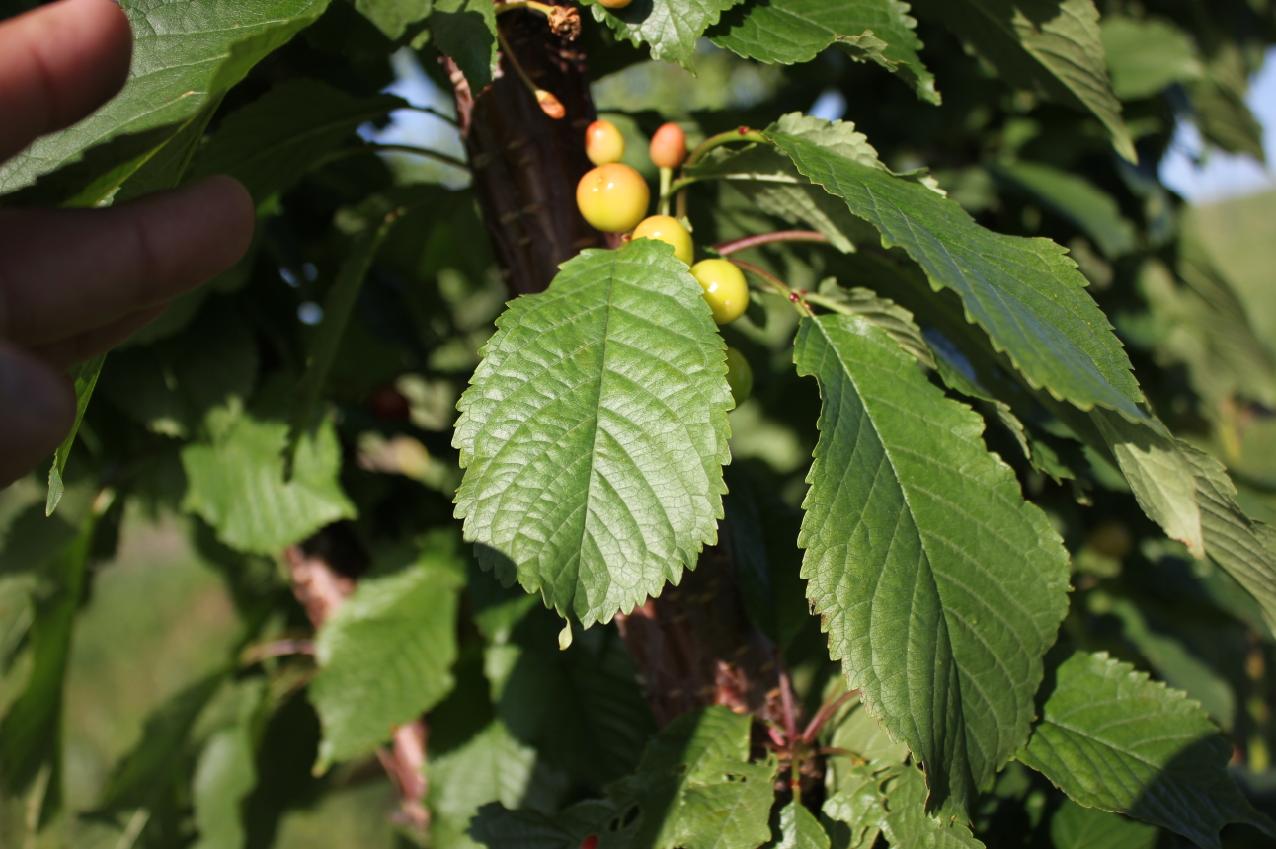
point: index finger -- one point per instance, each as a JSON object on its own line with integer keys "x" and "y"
{"x": 57, "y": 64}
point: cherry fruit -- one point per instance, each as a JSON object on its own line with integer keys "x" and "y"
{"x": 603, "y": 143}
{"x": 613, "y": 197}
{"x": 724, "y": 288}
{"x": 668, "y": 146}
{"x": 667, "y": 229}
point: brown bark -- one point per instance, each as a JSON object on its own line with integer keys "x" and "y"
{"x": 322, "y": 589}
{"x": 694, "y": 646}
{"x": 525, "y": 164}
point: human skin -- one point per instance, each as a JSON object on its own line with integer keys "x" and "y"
{"x": 75, "y": 282}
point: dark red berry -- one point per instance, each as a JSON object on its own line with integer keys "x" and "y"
{"x": 389, "y": 405}
{"x": 590, "y": 842}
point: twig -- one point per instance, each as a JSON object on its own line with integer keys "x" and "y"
{"x": 430, "y": 110}
{"x": 405, "y": 764}
{"x": 824, "y": 714}
{"x": 786, "y": 699}
{"x": 276, "y": 648}
{"x": 783, "y": 289}
{"x": 728, "y": 248}
{"x": 445, "y": 158}
{"x": 321, "y": 591}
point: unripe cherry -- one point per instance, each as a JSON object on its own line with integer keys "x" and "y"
{"x": 613, "y": 197}
{"x": 603, "y": 143}
{"x": 668, "y": 146}
{"x": 614, "y": 4}
{"x": 739, "y": 376}
{"x": 724, "y": 287}
{"x": 667, "y": 229}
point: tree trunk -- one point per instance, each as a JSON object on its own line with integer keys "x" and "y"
{"x": 694, "y": 646}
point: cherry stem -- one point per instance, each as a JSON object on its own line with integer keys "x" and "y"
{"x": 728, "y": 248}
{"x": 825, "y": 713}
{"x": 781, "y": 288}
{"x": 666, "y": 181}
{"x": 277, "y": 648}
{"x": 517, "y": 66}
{"x": 742, "y": 134}
{"x": 530, "y": 5}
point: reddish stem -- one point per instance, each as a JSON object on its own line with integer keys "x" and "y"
{"x": 786, "y": 700}
{"x": 728, "y": 248}
{"x": 825, "y": 713}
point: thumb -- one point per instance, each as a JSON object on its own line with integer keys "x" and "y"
{"x": 37, "y": 407}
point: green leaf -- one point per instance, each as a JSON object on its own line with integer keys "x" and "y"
{"x": 1202, "y": 322}
{"x": 385, "y": 656}
{"x": 907, "y": 825}
{"x": 31, "y": 735}
{"x": 695, "y": 789}
{"x": 1052, "y": 46}
{"x": 274, "y": 141}
{"x": 1025, "y": 293}
{"x": 171, "y": 386}
{"x": 372, "y": 222}
{"x": 1113, "y": 739}
{"x": 393, "y": 17}
{"x": 236, "y": 482}
{"x": 670, "y": 27}
{"x": 791, "y": 31}
{"x": 184, "y": 57}
{"x": 465, "y": 30}
{"x": 771, "y": 183}
{"x": 939, "y": 586}
{"x": 84, "y": 377}
{"x": 1094, "y": 212}
{"x": 582, "y": 707}
{"x": 594, "y": 432}
{"x": 1147, "y": 56}
{"x": 799, "y": 829}
{"x": 1075, "y": 827}
{"x": 1218, "y": 98}
{"x": 156, "y": 760}
{"x": 1190, "y": 495}
{"x": 490, "y": 767}
{"x": 226, "y": 773}
{"x": 873, "y": 789}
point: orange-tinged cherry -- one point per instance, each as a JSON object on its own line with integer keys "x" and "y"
{"x": 603, "y": 142}
{"x": 668, "y": 146}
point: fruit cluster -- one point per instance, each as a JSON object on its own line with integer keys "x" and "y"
{"x": 614, "y": 198}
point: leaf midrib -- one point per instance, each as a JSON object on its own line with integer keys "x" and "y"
{"x": 930, "y": 573}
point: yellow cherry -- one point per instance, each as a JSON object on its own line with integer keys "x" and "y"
{"x": 613, "y": 197}
{"x": 667, "y": 229}
{"x": 724, "y": 288}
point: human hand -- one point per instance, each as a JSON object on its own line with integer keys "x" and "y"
{"x": 75, "y": 282}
